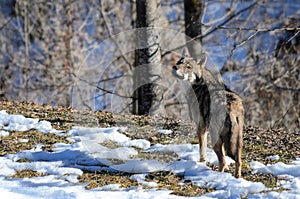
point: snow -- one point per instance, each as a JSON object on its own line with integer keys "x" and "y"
{"x": 23, "y": 140}
{"x": 4, "y": 133}
{"x": 140, "y": 178}
{"x": 21, "y": 123}
{"x": 139, "y": 166}
{"x": 273, "y": 157}
{"x": 165, "y": 131}
{"x": 88, "y": 152}
{"x": 277, "y": 169}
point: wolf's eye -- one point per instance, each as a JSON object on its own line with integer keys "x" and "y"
{"x": 188, "y": 66}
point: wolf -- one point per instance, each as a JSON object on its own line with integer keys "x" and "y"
{"x": 209, "y": 93}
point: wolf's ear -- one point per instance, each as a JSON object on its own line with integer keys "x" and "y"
{"x": 202, "y": 60}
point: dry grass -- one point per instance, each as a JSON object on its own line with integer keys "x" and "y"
{"x": 103, "y": 178}
{"x": 12, "y": 143}
{"x": 176, "y": 183}
{"x": 27, "y": 173}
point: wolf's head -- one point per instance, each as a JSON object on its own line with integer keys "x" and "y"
{"x": 189, "y": 69}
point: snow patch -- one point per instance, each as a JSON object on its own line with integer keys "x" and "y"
{"x": 273, "y": 157}
{"x": 4, "y": 133}
{"x": 21, "y": 123}
{"x": 139, "y": 143}
{"x": 139, "y": 166}
{"x": 23, "y": 140}
{"x": 165, "y": 132}
{"x": 140, "y": 178}
{"x": 276, "y": 169}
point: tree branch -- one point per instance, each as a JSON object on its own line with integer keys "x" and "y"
{"x": 232, "y": 16}
{"x": 102, "y": 89}
{"x": 113, "y": 39}
{"x": 7, "y": 22}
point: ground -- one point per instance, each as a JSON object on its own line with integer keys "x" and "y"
{"x": 260, "y": 145}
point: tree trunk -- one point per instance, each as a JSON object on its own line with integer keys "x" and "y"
{"x": 27, "y": 46}
{"x": 148, "y": 93}
{"x": 192, "y": 15}
{"x": 68, "y": 63}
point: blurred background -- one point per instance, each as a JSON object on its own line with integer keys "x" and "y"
{"x": 71, "y": 53}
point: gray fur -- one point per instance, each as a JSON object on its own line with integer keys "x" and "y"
{"x": 221, "y": 112}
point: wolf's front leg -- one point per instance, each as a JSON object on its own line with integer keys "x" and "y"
{"x": 202, "y": 135}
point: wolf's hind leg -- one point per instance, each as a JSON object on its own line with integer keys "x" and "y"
{"x": 219, "y": 150}
{"x": 236, "y": 143}
{"x": 238, "y": 160}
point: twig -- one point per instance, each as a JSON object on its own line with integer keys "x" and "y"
{"x": 277, "y": 122}
{"x": 242, "y": 43}
{"x": 102, "y": 89}
{"x": 113, "y": 39}
{"x": 214, "y": 28}
{"x": 228, "y": 19}
{"x": 290, "y": 39}
{"x": 7, "y": 22}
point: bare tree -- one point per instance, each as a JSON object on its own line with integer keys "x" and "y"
{"x": 267, "y": 75}
{"x": 193, "y": 12}
{"x": 27, "y": 46}
{"x": 148, "y": 93}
